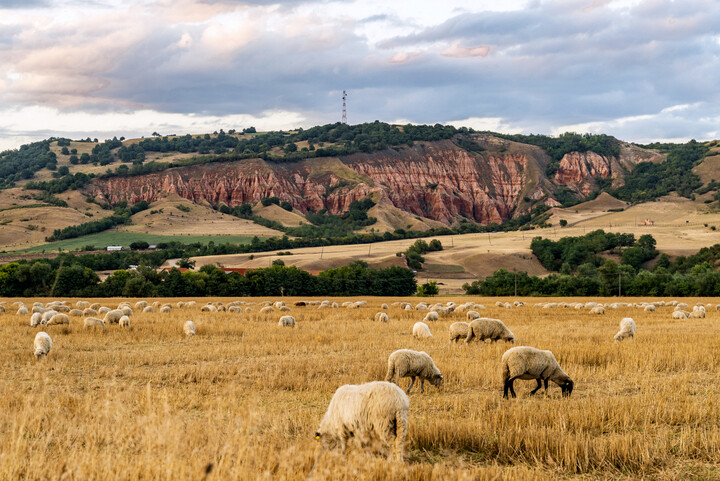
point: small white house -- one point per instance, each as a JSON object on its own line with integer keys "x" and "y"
{"x": 114, "y": 248}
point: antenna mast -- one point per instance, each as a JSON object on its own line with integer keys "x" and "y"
{"x": 344, "y": 113}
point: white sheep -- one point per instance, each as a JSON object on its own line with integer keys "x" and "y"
{"x": 649, "y": 308}
{"x": 166, "y": 308}
{"x": 208, "y": 308}
{"x": 189, "y": 328}
{"x": 126, "y": 310}
{"x": 431, "y": 316}
{"x": 597, "y": 310}
{"x": 89, "y": 312}
{"x": 93, "y": 322}
{"x": 113, "y": 317}
{"x": 408, "y": 363}
{"x": 680, "y": 315}
{"x": 381, "y": 317}
{"x": 266, "y": 310}
{"x": 627, "y": 329}
{"x": 35, "y": 319}
{"x": 458, "y": 330}
{"x": 286, "y": 321}
{"x": 526, "y": 362}
{"x": 283, "y": 309}
{"x": 148, "y": 309}
{"x": 124, "y": 321}
{"x": 472, "y": 315}
{"x": 140, "y": 305}
{"x": 421, "y": 331}
{"x": 75, "y": 312}
{"x": 103, "y": 310}
{"x": 58, "y": 319}
{"x": 485, "y": 328}
{"x": 366, "y": 414}
{"x": 385, "y": 306}
{"x": 43, "y": 344}
{"x": 82, "y": 304}
{"x": 22, "y": 311}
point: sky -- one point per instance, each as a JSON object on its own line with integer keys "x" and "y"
{"x": 641, "y": 70}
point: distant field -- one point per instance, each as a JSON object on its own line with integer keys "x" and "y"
{"x": 115, "y": 238}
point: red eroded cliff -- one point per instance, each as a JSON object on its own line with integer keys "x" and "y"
{"x": 579, "y": 169}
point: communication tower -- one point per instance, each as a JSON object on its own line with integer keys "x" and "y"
{"x": 344, "y": 113}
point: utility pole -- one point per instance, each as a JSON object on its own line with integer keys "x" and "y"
{"x": 322, "y": 248}
{"x": 344, "y": 111}
{"x": 489, "y": 240}
{"x": 369, "y": 246}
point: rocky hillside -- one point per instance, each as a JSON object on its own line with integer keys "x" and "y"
{"x": 488, "y": 179}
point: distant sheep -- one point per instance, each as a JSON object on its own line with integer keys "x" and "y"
{"x": 421, "y": 331}
{"x": 58, "y": 319}
{"x": 43, "y": 344}
{"x": 148, "y": 309}
{"x": 385, "y": 306}
{"x": 493, "y": 329}
{"x": 208, "y": 308}
{"x": 266, "y": 310}
{"x": 166, "y": 308}
{"x": 472, "y": 315}
{"x": 82, "y": 304}
{"x": 35, "y": 319}
{"x": 458, "y": 330}
{"x": 597, "y": 310}
{"x": 366, "y": 414}
{"x": 627, "y": 329}
{"x": 126, "y": 310}
{"x": 679, "y": 315}
{"x": 526, "y": 362}
{"x": 22, "y": 311}
{"x": 140, "y": 305}
{"x": 93, "y": 322}
{"x": 103, "y": 310}
{"x": 431, "y": 316}
{"x": 189, "y": 328}
{"x": 283, "y": 309}
{"x": 124, "y": 321}
{"x": 412, "y": 364}
{"x": 113, "y": 317}
{"x": 75, "y": 312}
{"x": 381, "y": 317}
{"x": 286, "y": 321}
{"x": 649, "y": 308}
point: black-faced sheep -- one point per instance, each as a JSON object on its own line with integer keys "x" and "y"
{"x": 485, "y": 328}
{"x": 367, "y": 415}
{"x": 412, "y": 364}
{"x": 526, "y": 362}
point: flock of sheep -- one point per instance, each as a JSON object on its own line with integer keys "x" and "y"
{"x": 376, "y": 412}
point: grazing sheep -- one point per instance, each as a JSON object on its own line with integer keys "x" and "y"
{"x": 335, "y": 305}
{"x": 679, "y": 315}
{"x": 472, "y": 315}
{"x": 148, "y": 309}
{"x": 279, "y": 304}
{"x": 458, "y": 330}
{"x": 103, "y": 310}
{"x": 166, "y": 308}
{"x": 113, "y": 317}
{"x": 407, "y": 363}
{"x": 697, "y": 314}
{"x": 283, "y": 308}
{"x": 208, "y": 308}
{"x": 126, "y": 310}
{"x": 43, "y": 344}
{"x": 366, "y": 414}
{"x": 526, "y": 362}
{"x": 627, "y": 329}
{"x": 35, "y": 319}
{"x": 431, "y": 316}
{"x": 235, "y": 309}
{"x": 93, "y": 322}
{"x": 499, "y": 304}
{"x": 485, "y": 328}
{"x": 22, "y": 311}
{"x": 286, "y": 321}
{"x": 75, "y": 312}
{"x": 649, "y": 308}
{"x": 381, "y": 317}
{"x": 266, "y": 310}
{"x": 421, "y": 331}
{"x": 124, "y": 321}
{"x": 47, "y": 315}
{"x": 189, "y": 328}
{"x": 58, "y": 319}
{"x": 385, "y": 306}
{"x": 597, "y": 310}
{"x": 95, "y": 305}
{"x": 140, "y": 305}
{"x": 62, "y": 308}
{"x": 180, "y": 304}
{"x": 82, "y": 304}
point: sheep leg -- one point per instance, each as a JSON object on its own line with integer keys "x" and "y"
{"x": 400, "y": 433}
{"x": 539, "y": 385}
{"x": 422, "y": 385}
{"x": 412, "y": 381}
{"x": 509, "y": 387}
{"x": 546, "y": 385}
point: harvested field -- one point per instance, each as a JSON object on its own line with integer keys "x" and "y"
{"x": 242, "y": 398}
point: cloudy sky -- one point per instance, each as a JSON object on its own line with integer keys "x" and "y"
{"x": 641, "y": 70}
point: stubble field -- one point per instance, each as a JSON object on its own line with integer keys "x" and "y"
{"x": 243, "y": 398}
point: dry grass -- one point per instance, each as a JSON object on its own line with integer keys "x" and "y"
{"x": 246, "y": 396}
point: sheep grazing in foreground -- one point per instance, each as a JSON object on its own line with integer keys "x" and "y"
{"x": 189, "y": 328}
{"x": 627, "y": 329}
{"x": 412, "y": 364}
{"x": 526, "y": 362}
{"x": 421, "y": 331}
{"x": 124, "y": 321}
{"x": 485, "y": 328}
{"x": 43, "y": 344}
{"x": 458, "y": 330}
{"x": 93, "y": 322}
{"x": 58, "y": 319}
{"x": 286, "y": 321}
{"x": 367, "y": 415}
{"x": 381, "y": 317}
